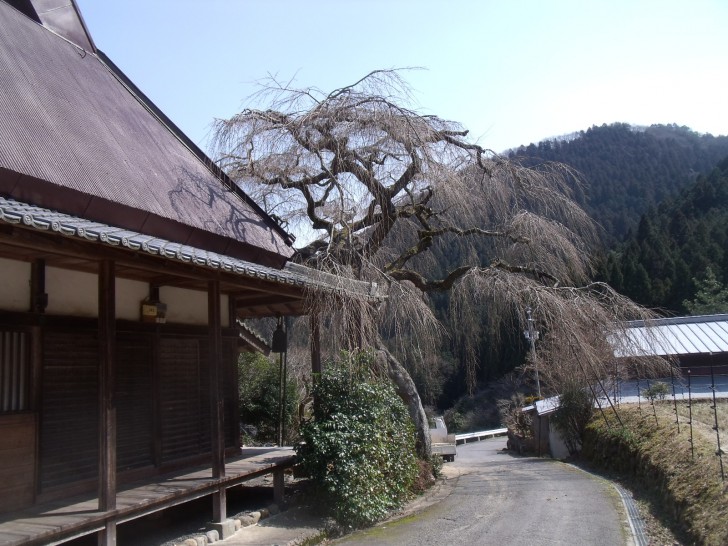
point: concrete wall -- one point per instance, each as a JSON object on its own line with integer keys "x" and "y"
{"x": 557, "y": 444}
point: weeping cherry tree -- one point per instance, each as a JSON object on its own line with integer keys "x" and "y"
{"x": 376, "y": 191}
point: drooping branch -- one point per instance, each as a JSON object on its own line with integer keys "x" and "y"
{"x": 426, "y": 238}
{"x": 524, "y": 270}
{"x": 388, "y": 195}
{"x": 426, "y": 285}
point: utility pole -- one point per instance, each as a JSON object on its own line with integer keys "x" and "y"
{"x": 532, "y": 335}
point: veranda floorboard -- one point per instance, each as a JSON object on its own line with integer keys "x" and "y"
{"x": 59, "y": 521}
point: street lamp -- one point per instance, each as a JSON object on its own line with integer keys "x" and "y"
{"x": 532, "y": 335}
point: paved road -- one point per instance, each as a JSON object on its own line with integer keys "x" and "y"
{"x": 502, "y": 499}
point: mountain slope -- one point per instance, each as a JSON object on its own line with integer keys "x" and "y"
{"x": 675, "y": 243}
{"x": 628, "y": 169}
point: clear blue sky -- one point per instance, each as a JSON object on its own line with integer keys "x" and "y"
{"x": 511, "y": 71}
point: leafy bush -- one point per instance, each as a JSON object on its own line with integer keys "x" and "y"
{"x": 454, "y": 421}
{"x": 574, "y": 413}
{"x": 436, "y": 464}
{"x": 657, "y": 391}
{"x": 360, "y": 446}
{"x": 259, "y": 388}
{"x": 513, "y": 417}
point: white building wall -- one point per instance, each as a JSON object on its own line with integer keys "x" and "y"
{"x": 14, "y": 285}
{"x": 129, "y": 296}
{"x": 75, "y": 293}
{"x": 190, "y": 306}
{"x": 557, "y": 444}
{"x": 72, "y": 293}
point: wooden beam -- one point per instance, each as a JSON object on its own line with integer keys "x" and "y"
{"x": 217, "y": 428}
{"x": 251, "y": 299}
{"x": 54, "y": 244}
{"x": 107, "y": 401}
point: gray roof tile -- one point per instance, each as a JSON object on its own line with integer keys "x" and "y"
{"x": 32, "y": 216}
{"x": 70, "y": 120}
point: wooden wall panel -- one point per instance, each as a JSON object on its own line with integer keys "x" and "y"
{"x": 180, "y": 397}
{"x": 134, "y": 402}
{"x": 17, "y": 461}
{"x": 69, "y": 408}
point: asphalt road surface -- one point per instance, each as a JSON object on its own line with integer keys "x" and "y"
{"x": 497, "y": 498}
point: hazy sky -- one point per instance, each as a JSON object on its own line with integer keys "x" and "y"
{"x": 513, "y": 72}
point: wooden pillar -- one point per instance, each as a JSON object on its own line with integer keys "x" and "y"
{"x": 233, "y": 373}
{"x": 278, "y": 486}
{"x": 107, "y": 402}
{"x": 315, "y": 351}
{"x": 216, "y": 399}
{"x": 38, "y": 295}
{"x": 315, "y": 343}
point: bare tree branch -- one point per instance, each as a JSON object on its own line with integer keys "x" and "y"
{"x": 383, "y": 193}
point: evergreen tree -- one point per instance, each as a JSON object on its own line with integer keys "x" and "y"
{"x": 711, "y": 296}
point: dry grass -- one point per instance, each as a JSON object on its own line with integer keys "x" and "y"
{"x": 687, "y": 489}
{"x": 704, "y": 418}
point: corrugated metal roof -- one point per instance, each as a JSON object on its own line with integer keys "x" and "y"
{"x": 69, "y": 121}
{"x": 674, "y": 336}
{"x": 32, "y": 216}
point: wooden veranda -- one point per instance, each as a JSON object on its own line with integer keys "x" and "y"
{"x": 69, "y": 518}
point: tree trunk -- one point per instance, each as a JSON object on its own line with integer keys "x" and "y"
{"x": 406, "y": 389}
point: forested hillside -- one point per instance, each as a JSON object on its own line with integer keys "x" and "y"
{"x": 675, "y": 243}
{"x": 629, "y": 169}
{"x": 663, "y": 205}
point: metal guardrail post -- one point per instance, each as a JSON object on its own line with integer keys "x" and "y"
{"x": 674, "y": 400}
{"x": 639, "y": 398}
{"x": 719, "y": 451}
{"x": 690, "y": 416}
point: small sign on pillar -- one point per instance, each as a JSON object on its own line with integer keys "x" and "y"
{"x": 154, "y": 311}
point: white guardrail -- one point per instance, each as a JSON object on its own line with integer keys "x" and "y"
{"x": 478, "y": 436}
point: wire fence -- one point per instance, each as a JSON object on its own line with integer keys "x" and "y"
{"x": 687, "y": 395}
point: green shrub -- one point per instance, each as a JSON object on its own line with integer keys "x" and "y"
{"x": 259, "y": 388}
{"x": 360, "y": 446}
{"x": 657, "y": 391}
{"x": 512, "y": 416}
{"x": 436, "y": 464}
{"x": 575, "y": 411}
{"x": 454, "y": 421}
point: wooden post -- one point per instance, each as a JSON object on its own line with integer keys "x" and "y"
{"x": 38, "y": 296}
{"x": 315, "y": 343}
{"x": 107, "y": 402}
{"x": 217, "y": 435}
{"x": 278, "y": 486}
{"x": 315, "y": 350}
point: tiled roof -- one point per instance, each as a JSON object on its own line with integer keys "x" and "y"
{"x": 674, "y": 336}
{"x": 77, "y": 136}
{"x": 31, "y": 216}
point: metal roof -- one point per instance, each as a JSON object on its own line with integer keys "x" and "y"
{"x": 79, "y": 137}
{"x": 545, "y": 406}
{"x": 676, "y": 336}
{"x": 32, "y": 216}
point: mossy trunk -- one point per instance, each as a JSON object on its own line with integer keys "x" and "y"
{"x": 407, "y": 391}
